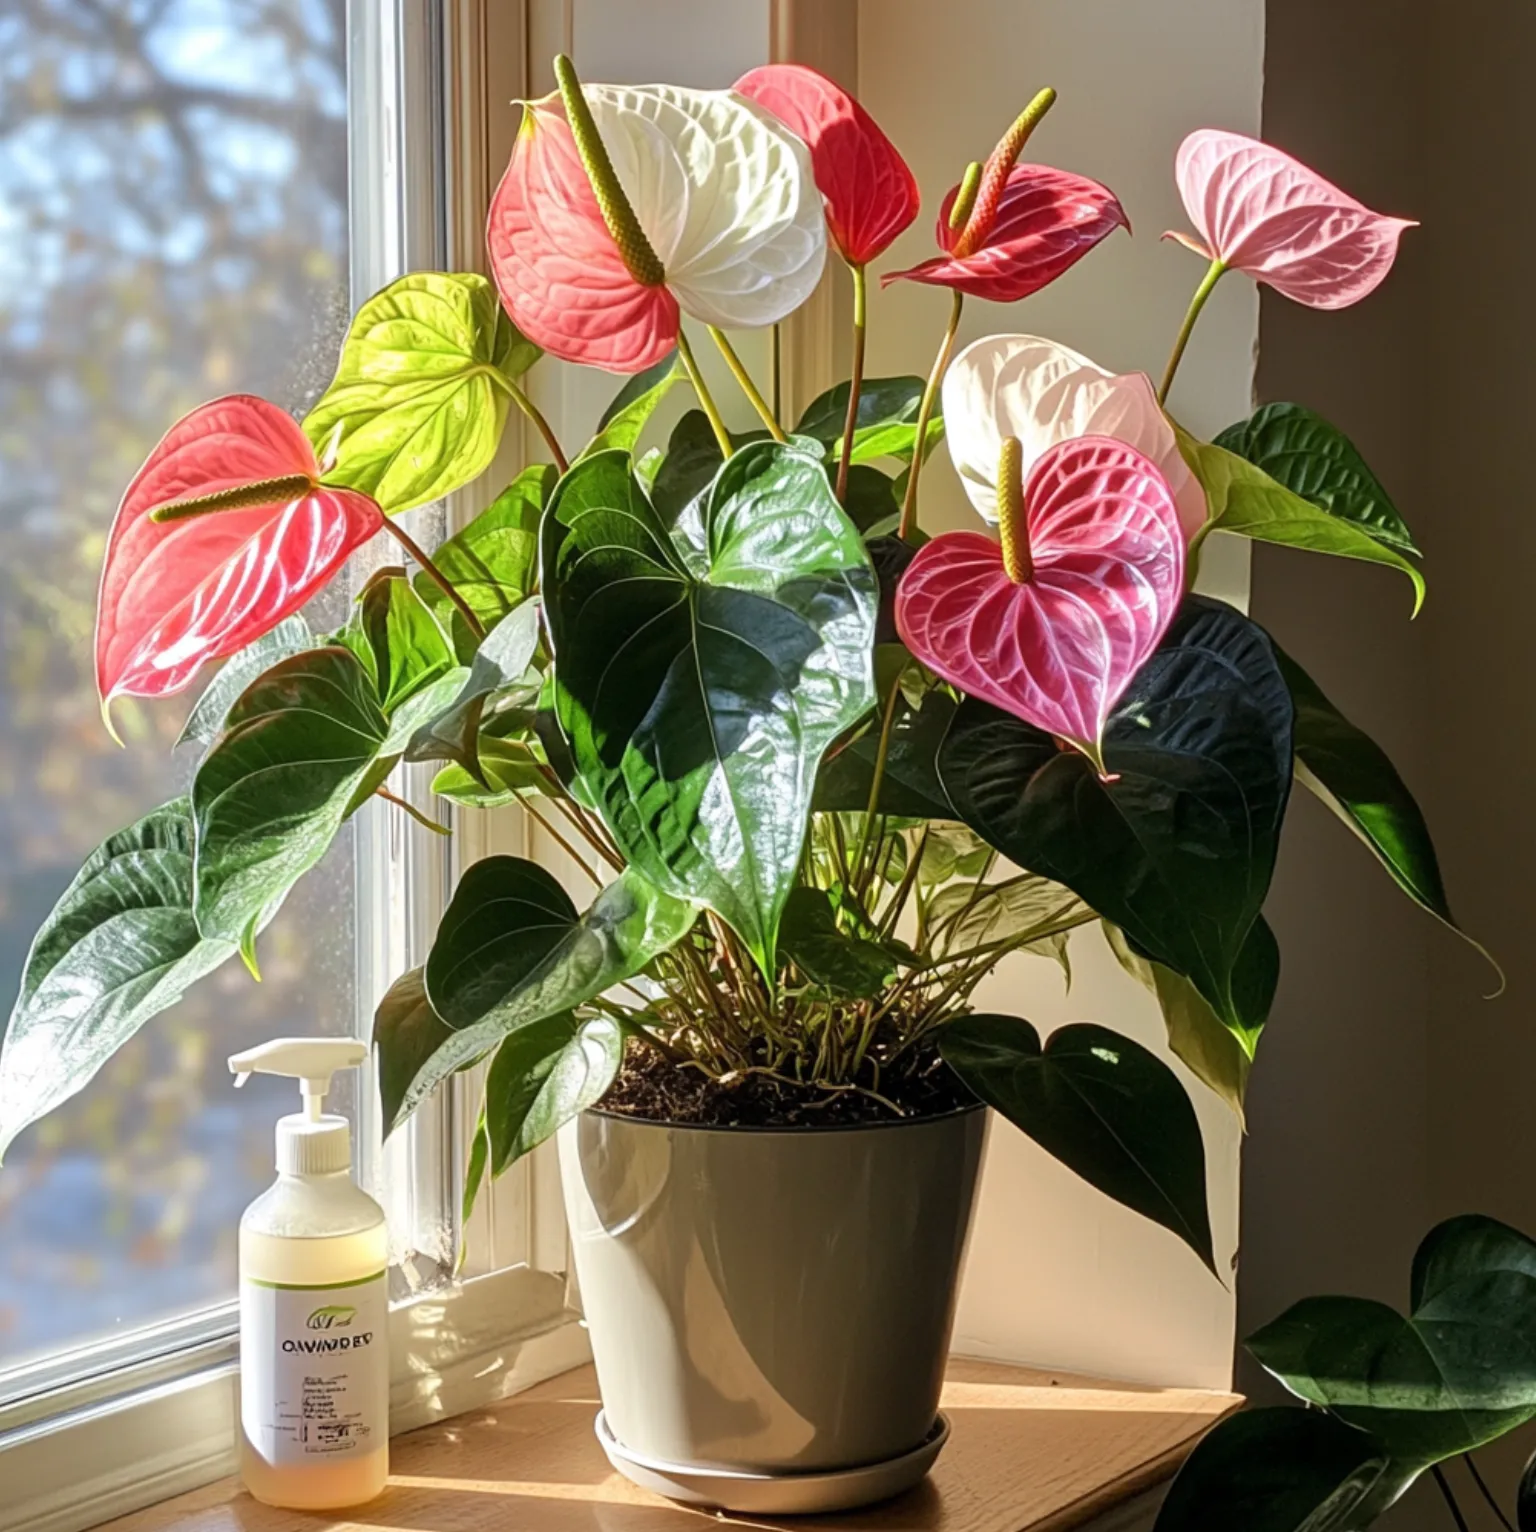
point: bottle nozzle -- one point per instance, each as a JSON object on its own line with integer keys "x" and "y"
{"x": 309, "y": 1060}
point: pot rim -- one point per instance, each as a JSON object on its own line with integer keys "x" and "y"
{"x": 788, "y": 1130}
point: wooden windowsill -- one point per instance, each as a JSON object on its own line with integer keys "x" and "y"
{"x": 1031, "y": 1452}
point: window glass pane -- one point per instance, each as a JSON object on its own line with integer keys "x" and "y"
{"x": 173, "y": 226}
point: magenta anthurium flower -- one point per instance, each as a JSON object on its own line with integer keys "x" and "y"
{"x": 726, "y": 207}
{"x": 871, "y": 196}
{"x": 1052, "y": 624}
{"x": 1259, "y": 211}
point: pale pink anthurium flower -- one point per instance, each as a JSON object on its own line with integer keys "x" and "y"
{"x": 1259, "y": 211}
{"x": 1043, "y": 393}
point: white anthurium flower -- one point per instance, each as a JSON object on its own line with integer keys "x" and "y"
{"x": 1044, "y": 393}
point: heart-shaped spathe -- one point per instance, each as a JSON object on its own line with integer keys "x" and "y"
{"x": 1058, "y": 649}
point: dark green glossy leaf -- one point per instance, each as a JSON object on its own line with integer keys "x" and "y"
{"x": 1300, "y": 450}
{"x": 632, "y": 407}
{"x": 692, "y": 460}
{"x": 206, "y": 720}
{"x": 886, "y": 424}
{"x": 474, "y": 1173}
{"x": 1101, "y": 1104}
{"x": 871, "y": 499}
{"x": 1177, "y": 848}
{"x": 418, "y": 396}
{"x": 491, "y": 561}
{"x": 120, "y": 946}
{"x": 271, "y": 794}
{"x": 543, "y": 1075}
{"x": 1459, "y": 1371}
{"x": 1244, "y": 499}
{"x": 701, "y": 674}
{"x": 1275, "y": 1470}
{"x": 890, "y": 556}
{"x": 407, "y": 1033}
{"x": 829, "y": 957}
{"x": 909, "y": 787}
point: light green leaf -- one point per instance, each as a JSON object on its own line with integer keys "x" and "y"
{"x": 206, "y": 720}
{"x": 952, "y": 850}
{"x": 420, "y": 393}
{"x": 1019, "y": 910}
{"x": 409, "y": 647}
{"x": 119, "y": 947}
{"x": 886, "y": 424}
{"x": 632, "y": 407}
{"x": 507, "y": 768}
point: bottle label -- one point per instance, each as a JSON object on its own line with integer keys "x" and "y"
{"x": 314, "y": 1369}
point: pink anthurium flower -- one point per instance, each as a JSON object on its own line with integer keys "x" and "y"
{"x": 213, "y": 577}
{"x": 1053, "y": 623}
{"x": 871, "y": 196}
{"x": 1043, "y": 393}
{"x": 1259, "y": 211}
{"x": 723, "y": 222}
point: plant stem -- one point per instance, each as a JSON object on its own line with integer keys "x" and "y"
{"x": 925, "y": 413}
{"x": 435, "y": 575}
{"x": 1450, "y": 1499}
{"x": 748, "y": 387}
{"x": 525, "y": 799}
{"x": 706, "y": 402}
{"x": 534, "y": 413}
{"x": 1487, "y": 1493}
{"x": 413, "y": 811}
{"x": 1204, "y": 291}
{"x": 877, "y": 777}
{"x": 855, "y": 381}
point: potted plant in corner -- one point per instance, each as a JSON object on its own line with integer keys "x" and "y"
{"x": 823, "y": 773}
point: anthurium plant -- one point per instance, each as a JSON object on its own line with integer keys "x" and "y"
{"x": 823, "y": 771}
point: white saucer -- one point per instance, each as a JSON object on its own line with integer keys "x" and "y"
{"x": 777, "y": 1494}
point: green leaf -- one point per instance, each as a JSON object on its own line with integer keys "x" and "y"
{"x": 1458, "y": 1371}
{"x": 1019, "y": 910}
{"x": 952, "y": 850}
{"x": 420, "y": 393}
{"x": 491, "y": 561}
{"x": 632, "y": 407}
{"x": 1101, "y": 1104}
{"x": 702, "y": 673}
{"x": 886, "y": 424}
{"x": 474, "y": 1172}
{"x": 407, "y": 1033}
{"x": 1301, "y": 451}
{"x": 270, "y": 796}
{"x": 1244, "y": 499}
{"x": 206, "y": 720}
{"x": 409, "y": 647}
{"x": 1177, "y": 848}
{"x": 120, "y": 946}
{"x": 511, "y": 950}
{"x": 871, "y": 501}
{"x": 830, "y": 958}
{"x": 909, "y": 787}
{"x": 508, "y": 768}
{"x": 1275, "y": 1470}
{"x": 544, "y": 1074}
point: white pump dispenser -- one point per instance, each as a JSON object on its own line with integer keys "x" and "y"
{"x": 314, "y": 1303}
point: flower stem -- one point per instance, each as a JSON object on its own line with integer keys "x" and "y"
{"x": 925, "y": 414}
{"x": 1450, "y": 1499}
{"x": 1206, "y": 288}
{"x": 748, "y": 387}
{"x": 534, "y": 413}
{"x": 706, "y": 402}
{"x": 436, "y": 576}
{"x": 413, "y": 811}
{"x": 855, "y": 382}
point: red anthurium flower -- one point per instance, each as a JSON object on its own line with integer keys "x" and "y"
{"x": 871, "y": 195}
{"x": 1052, "y": 624}
{"x": 206, "y": 582}
{"x": 1262, "y": 212}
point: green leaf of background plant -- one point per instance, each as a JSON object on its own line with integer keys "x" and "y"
{"x": 1178, "y": 848}
{"x": 119, "y": 947}
{"x": 1101, "y": 1104}
{"x": 1315, "y": 460}
{"x": 206, "y": 720}
{"x": 1459, "y": 1371}
{"x": 830, "y": 958}
{"x": 271, "y": 794}
{"x": 543, "y": 1075}
{"x": 420, "y": 393}
{"x": 886, "y": 424}
{"x": 701, "y": 674}
{"x": 1275, "y": 1470}
{"x": 1022, "y": 910}
{"x": 1244, "y": 500}
{"x": 632, "y": 407}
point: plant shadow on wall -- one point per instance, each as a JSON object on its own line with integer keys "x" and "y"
{"x": 823, "y": 771}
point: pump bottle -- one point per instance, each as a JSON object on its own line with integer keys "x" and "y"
{"x": 314, "y": 1303}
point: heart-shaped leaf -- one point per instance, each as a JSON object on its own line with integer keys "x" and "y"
{"x": 511, "y": 950}
{"x": 702, "y": 673}
{"x": 1264, "y": 213}
{"x": 407, "y": 1034}
{"x": 1177, "y": 846}
{"x": 271, "y": 794}
{"x": 543, "y": 1075}
{"x": 420, "y": 394}
{"x": 206, "y": 720}
{"x": 177, "y": 593}
{"x": 829, "y": 957}
{"x": 119, "y": 947}
{"x": 1459, "y": 1371}
{"x": 1246, "y": 501}
{"x": 634, "y": 404}
{"x": 1275, "y": 1470}
{"x": 886, "y": 424}
{"x": 871, "y": 195}
{"x": 1059, "y": 647}
{"x": 1101, "y": 1104}
{"x": 1315, "y": 460}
